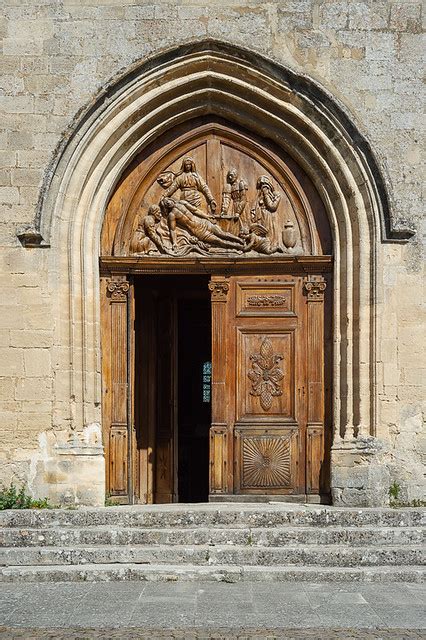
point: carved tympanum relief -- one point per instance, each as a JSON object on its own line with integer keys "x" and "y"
{"x": 179, "y": 214}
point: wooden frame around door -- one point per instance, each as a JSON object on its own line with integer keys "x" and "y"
{"x": 117, "y": 311}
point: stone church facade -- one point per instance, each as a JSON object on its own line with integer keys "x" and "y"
{"x": 312, "y": 105}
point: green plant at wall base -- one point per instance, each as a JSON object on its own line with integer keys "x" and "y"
{"x": 110, "y": 502}
{"x": 14, "y": 498}
{"x": 394, "y": 490}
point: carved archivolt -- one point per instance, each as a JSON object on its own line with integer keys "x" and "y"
{"x": 217, "y": 201}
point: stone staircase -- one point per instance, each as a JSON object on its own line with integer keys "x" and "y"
{"x": 230, "y": 542}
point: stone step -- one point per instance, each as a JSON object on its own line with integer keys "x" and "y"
{"x": 222, "y": 573}
{"x": 211, "y": 515}
{"x": 261, "y": 536}
{"x": 319, "y": 555}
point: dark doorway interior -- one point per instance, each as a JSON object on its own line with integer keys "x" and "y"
{"x": 173, "y": 386}
{"x": 194, "y": 398}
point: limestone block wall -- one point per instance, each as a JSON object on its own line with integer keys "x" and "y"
{"x": 56, "y": 56}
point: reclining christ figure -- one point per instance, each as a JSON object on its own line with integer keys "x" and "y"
{"x": 198, "y": 224}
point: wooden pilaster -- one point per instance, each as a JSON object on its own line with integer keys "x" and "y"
{"x": 314, "y": 289}
{"x": 219, "y": 454}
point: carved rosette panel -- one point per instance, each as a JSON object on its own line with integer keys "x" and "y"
{"x": 266, "y": 461}
{"x": 266, "y": 374}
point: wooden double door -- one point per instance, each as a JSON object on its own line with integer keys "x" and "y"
{"x": 214, "y": 386}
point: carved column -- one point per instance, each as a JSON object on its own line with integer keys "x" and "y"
{"x": 219, "y": 288}
{"x": 117, "y": 290}
{"x": 314, "y": 288}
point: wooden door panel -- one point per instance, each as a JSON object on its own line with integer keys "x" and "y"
{"x": 266, "y": 460}
{"x": 118, "y": 468}
{"x": 165, "y": 437}
{"x": 265, "y": 376}
{"x": 315, "y": 479}
{"x": 257, "y": 300}
{"x": 270, "y": 387}
{"x": 218, "y": 459}
{"x": 117, "y": 423}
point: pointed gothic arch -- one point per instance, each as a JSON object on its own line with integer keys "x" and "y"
{"x": 212, "y": 78}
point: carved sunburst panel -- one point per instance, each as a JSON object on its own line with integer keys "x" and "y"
{"x": 266, "y": 461}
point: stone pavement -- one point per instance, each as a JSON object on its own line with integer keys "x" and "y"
{"x": 212, "y": 610}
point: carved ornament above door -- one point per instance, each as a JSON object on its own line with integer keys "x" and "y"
{"x": 210, "y": 192}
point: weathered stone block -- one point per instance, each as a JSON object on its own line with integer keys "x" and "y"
{"x": 405, "y": 16}
{"x": 37, "y": 362}
{"x": 11, "y": 362}
{"x": 37, "y": 388}
{"x": 360, "y": 476}
{"x": 29, "y": 339}
{"x": 71, "y": 473}
{"x": 369, "y": 15}
{"x": 9, "y": 195}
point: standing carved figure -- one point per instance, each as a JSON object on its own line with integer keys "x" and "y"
{"x": 235, "y": 192}
{"x": 191, "y": 185}
{"x": 267, "y": 202}
{"x": 198, "y": 224}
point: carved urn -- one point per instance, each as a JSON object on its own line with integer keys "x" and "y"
{"x": 289, "y": 235}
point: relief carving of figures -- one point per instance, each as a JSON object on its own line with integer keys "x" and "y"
{"x": 199, "y": 224}
{"x": 190, "y": 184}
{"x": 267, "y": 201}
{"x": 184, "y": 219}
{"x": 256, "y": 239}
{"x": 147, "y": 237}
{"x": 235, "y": 193}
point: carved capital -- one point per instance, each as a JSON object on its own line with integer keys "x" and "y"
{"x": 314, "y": 288}
{"x": 219, "y": 290}
{"x": 118, "y": 290}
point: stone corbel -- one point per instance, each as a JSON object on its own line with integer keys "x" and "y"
{"x": 31, "y": 238}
